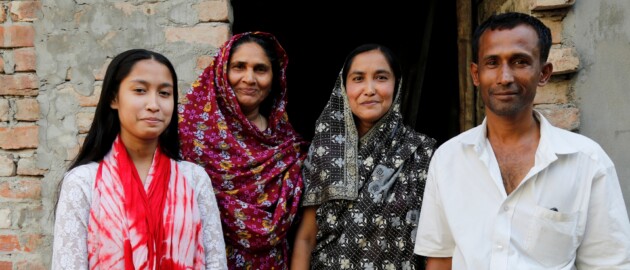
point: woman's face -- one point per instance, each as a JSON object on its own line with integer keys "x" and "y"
{"x": 145, "y": 101}
{"x": 370, "y": 87}
{"x": 250, "y": 75}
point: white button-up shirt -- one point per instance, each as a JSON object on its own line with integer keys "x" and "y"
{"x": 567, "y": 213}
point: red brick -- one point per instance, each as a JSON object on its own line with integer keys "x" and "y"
{"x": 73, "y": 151}
{"x": 29, "y": 218}
{"x": 22, "y": 84}
{"x": 4, "y": 110}
{"x": 20, "y": 36}
{"x": 20, "y": 189}
{"x": 24, "y": 59}
{"x": 5, "y": 219}
{"x": 1, "y": 35}
{"x": 6, "y": 265}
{"x": 92, "y": 100}
{"x": 27, "y": 109}
{"x": 3, "y": 16}
{"x": 7, "y": 166}
{"x": 202, "y": 34}
{"x": 20, "y": 137}
{"x": 30, "y": 265}
{"x": 9, "y": 243}
{"x": 555, "y": 25}
{"x": 213, "y": 11}
{"x": 28, "y": 166}
{"x": 33, "y": 242}
{"x": 565, "y": 60}
{"x": 24, "y": 11}
{"x": 563, "y": 117}
{"x": 84, "y": 121}
{"x": 550, "y": 4}
{"x": 555, "y": 92}
{"x": 203, "y": 62}
{"x": 1, "y": 65}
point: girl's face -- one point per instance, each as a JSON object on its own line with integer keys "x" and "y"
{"x": 145, "y": 101}
{"x": 370, "y": 87}
{"x": 250, "y": 75}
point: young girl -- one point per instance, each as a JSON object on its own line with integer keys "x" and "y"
{"x": 127, "y": 202}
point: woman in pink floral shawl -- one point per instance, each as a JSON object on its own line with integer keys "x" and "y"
{"x": 233, "y": 122}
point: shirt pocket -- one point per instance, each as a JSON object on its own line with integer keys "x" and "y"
{"x": 552, "y": 239}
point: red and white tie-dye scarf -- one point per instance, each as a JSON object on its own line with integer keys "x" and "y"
{"x": 130, "y": 228}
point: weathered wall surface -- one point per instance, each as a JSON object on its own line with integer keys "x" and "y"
{"x": 53, "y": 58}
{"x": 600, "y": 30}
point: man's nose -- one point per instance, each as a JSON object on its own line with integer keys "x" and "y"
{"x": 506, "y": 75}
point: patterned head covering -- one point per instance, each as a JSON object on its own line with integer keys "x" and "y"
{"x": 338, "y": 158}
{"x": 255, "y": 174}
{"x": 368, "y": 190}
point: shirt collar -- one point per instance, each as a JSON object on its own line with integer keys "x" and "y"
{"x": 550, "y": 139}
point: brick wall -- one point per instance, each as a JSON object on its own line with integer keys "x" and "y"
{"x": 53, "y": 57}
{"x": 556, "y": 100}
{"x": 21, "y": 176}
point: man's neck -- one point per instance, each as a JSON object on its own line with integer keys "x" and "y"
{"x": 512, "y": 129}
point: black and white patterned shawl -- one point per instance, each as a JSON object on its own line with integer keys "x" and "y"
{"x": 368, "y": 190}
{"x": 333, "y": 169}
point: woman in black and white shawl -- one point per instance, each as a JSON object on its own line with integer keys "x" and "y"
{"x": 365, "y": 173}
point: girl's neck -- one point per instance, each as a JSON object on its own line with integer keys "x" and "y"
{"x": 141, "y": 153}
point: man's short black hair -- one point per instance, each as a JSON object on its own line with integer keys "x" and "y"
{"x": 510, "y": 20}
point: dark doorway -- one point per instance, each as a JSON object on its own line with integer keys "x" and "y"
{"x": 317, "y": 51}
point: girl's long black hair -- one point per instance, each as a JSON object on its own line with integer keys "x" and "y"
{"x": 106, "y": 125}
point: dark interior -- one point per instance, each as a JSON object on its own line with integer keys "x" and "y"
{"x": 317, "y": 35}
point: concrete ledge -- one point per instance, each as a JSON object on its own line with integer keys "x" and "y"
{"x": 538, "y": 5}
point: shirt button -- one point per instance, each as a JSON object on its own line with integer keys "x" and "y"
{"x": 499, "y": 247}
{"x": 506, "y": 208}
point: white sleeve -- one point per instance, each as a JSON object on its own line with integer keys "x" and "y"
{"x": 71, "y": 221}
{"x": 213, "y": 243}
{"x": 434, "y": 238}
{"x": 606, "y": 242}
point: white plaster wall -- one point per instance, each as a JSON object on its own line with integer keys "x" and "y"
{"x": 600, "y": 31}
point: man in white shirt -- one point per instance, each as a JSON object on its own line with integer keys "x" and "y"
{"x": 516, "y": 192}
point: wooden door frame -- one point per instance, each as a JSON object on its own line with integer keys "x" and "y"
{"x": 468, "y": 110}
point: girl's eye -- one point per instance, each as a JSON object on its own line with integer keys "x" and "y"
{"x": 165, "y": 93}
{"x": 139, "y": 90}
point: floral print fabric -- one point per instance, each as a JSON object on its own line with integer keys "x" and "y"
{"x": 368, "y": 190}
{"x": 255, "y": 174}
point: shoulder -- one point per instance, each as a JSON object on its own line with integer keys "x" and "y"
{"x": 456, "y": 144}
{"x": 190, "y": 168}
{"x": 194, "y": 174}
{"x": 580, "y": 144}
{"x": 426, "y": 142}
{"x": 83, "y": 175}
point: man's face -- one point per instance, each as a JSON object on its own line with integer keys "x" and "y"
{"x": 509, "y": 70}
